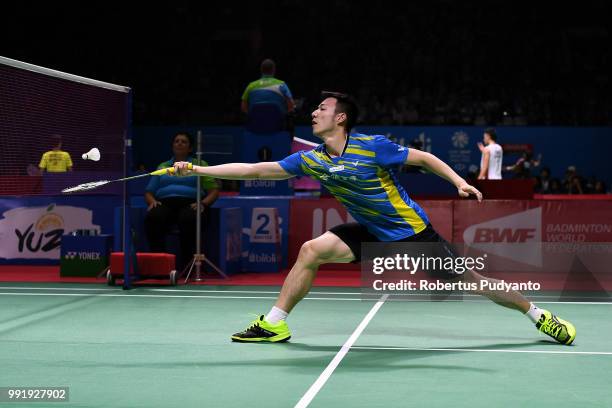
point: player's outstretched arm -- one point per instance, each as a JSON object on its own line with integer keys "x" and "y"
{"x": 437, "y": 166}
{"x": 236, "y": 171}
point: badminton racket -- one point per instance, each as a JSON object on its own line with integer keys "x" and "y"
{"x": 95, "y": 184}
{"x": 169, "y": 170}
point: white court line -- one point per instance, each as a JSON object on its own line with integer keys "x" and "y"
{"x": 334, "y": 293}
{"x": 277, "y": 292}
{"x": 51, "y": 288}
{"x": 249, "y": 291}
{"x": 161, "y": 296}
{"x": 326, "y": 293}
{"x": 603, "y": 353}
{"x": 174, "y": 290}
{"x": 251, "y": 297}
{"x": 576, "y": 303}
{"x": 320, "y": 382}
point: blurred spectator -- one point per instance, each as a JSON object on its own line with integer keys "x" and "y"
{"x": 600, "y": 187}
{"x": 589, "y": 185}
{"x": 141, "y": 168}
{"x": 543, "y": 182}
{"x": 556, "y": 187}
{"x": 265, "y": 92}
{"x": 572, "y": 182}
{"x": 537, "y": 185}
{"x": 523, "y": 166}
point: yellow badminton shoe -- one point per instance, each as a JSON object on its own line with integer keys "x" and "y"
{"x": 263, "y": 331}
{"x": 562, "y": 331}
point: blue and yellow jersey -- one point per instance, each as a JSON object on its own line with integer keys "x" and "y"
{"x": 267, "y": 89}
{"x": 169, "y": 186}
{"x": 364, "y": 181}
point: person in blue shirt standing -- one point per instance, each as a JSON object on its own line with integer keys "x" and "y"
{"x": 359, "y": 171}
{"x": 267, "y": 90}
{"x": 172, "y": 201}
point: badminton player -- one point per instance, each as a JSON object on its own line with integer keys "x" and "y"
{"x": 357, "y": 170}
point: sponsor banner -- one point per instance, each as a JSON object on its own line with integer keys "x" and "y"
{"x": 260, "y": 238}
{"x": 264, "y": 252}
{"x": 230, "y": 240}
{"x": 514, "y": 229}
{"x": 264, "y": 187}
{"x": 479, "y": 225}
{"x": 264, "y": 226}
{"x": 525, "y": 222}
{"x": 311, "y": 218}
{"x": 84, "y": 256}
{"x": 32, "y": 228}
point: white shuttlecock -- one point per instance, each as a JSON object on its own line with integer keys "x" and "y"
{"x": 93, "y": 154}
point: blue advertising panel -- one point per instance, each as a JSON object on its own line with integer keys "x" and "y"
{"x": 31, "y": 228}
{"x": 222, "y": 239}
{"x": 84, "y": 255}
{"x": 256, "y": 147}
{"x": 259, "y": 251}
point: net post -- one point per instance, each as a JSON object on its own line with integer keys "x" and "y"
{"x": 198, "y": 260}
{"x": 127, "y": 236}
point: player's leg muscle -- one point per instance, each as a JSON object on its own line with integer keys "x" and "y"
{"x": 327, "y": 248}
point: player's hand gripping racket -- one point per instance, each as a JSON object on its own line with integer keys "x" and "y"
{"x": 95, "y": 184}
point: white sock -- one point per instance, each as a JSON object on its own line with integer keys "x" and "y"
{"x": 276, "y": 315}
{"x": 533, "y": 313}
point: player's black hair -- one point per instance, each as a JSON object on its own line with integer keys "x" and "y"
{"x": 344, "y": 104}
{"x": 491, "y": 133}
{"x": 56, "y": 140}
{"x": 268, "y": 67}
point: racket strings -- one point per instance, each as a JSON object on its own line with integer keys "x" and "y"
{"x": 85, "y": 186}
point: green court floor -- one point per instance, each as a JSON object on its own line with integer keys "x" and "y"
{"x": 169, "y": 347}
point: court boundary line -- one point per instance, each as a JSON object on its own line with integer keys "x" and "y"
{"x": 540, "y": 298}
{"x": 172, "y": 290}
{"x": 476, "y": 350}
{"x": 145, "y": 295}
{"x": 324, "y": 376}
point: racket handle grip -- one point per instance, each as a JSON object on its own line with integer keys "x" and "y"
{"x": 168, "y": 170}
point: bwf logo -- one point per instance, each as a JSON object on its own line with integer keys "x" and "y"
{"x": 521, "y": 227}
{"x": 521, "y": 230}
{"x": 518, "y": 235}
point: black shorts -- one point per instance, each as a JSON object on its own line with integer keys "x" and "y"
{"x": 353, "y": 234}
